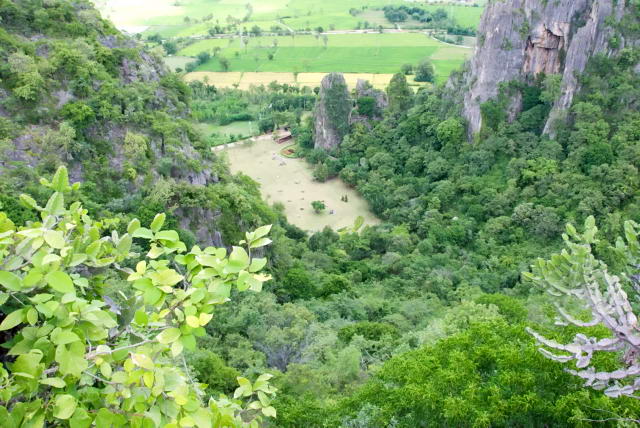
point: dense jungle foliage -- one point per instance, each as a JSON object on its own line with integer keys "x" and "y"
{"x": 419, "y": 321}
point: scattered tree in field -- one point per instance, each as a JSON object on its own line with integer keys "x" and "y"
{"x": 318, "y": 206}
{"x": 425, "y": 71}
{"x": 400, "y": 94}
{"x": 224, "y": 63}
{"x": 79, "y": 356}
{"x": 203, "y": 57}
{"x": 406, "y": 69}
{"x": 256, "y": 31}
{"x": 170, "y": 47}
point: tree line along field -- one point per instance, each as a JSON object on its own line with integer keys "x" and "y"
{"x": 185, "y": 18}
{"x": 349, "y": 53}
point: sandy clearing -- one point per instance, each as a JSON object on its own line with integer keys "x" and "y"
{"x": 290, "y": 182}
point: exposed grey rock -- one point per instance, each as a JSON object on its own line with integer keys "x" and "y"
{"x": 332, "y": 112}
{"x": 149, "y": 69}
{"x": 522, "y": 38}
{"x": 364, "y": 89}
{"x": 63, "y": 96}
{"x": 202, "y": 223}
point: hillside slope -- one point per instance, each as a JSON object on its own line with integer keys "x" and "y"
{"x": 75, "y": 91}
{"x": 522, "y": 39}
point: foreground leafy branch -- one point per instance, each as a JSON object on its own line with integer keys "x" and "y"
{"x": 76, "y": 357}
{"x": 579, "y": 277}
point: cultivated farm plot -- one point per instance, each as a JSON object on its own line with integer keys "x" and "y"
{"x": 246, "y": 80}
{"x": 290, "y": 182}
{"x": 348, "y": 53}
{"x": 167, "y": 17}
{"x": 174, "y": 62}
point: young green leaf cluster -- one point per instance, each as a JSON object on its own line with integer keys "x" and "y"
{"x": 77, "y": 357}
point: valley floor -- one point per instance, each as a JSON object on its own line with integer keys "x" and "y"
{"x": 290, "y": 182}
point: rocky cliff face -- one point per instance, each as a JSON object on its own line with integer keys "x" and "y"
{"x": 520, "y": 39}
{"x": 333, "y": 111}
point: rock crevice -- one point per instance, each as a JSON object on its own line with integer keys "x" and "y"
{"x": 522, "y": 38}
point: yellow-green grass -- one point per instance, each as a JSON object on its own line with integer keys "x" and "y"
{"x": 240, "y": 129}
{"x": 246, "y": 80}
{"x": 290, "y": 182}
{"x": 221, "y": 79}
{"x": 348, "y": 53}
{"x": 369, "y": 40}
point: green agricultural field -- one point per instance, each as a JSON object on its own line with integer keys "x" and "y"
{"x": 349, "y": 53}
{"x": 184, "y": 18}
{"x": 174, "y": 62}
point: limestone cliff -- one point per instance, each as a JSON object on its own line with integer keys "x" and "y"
{"x": 521, "y": 38}
{"x": 332, "y": 113}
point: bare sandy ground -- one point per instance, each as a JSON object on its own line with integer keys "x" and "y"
{"x": 290, "y": 182}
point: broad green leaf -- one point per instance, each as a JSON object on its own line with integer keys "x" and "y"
{"x": 260, "y": 243}
{"x": 141, "y": 317}
{"x": 12, "y": 320}
{"x": 32, "y": 316}
{"x": 54, "y": 238}
{"x": 29, "y": 364}
{"x": 60, "y": 282}
{"x": 176, "y": 348}
{"x": 10, "y": 281}
{"x": 60, "y": 180}
{"x": 202, "y": 418}
{"x": 157, "y": 222}
{"x": 55, "y": 204}
{"x": 124, "y": 245}
{"x": 193, "y": 321}
{"x": 262, "y": 231}
{"x": 269, "y": 411}
{"x": 244, "y": 390}
{"x": 189, "y": 342}
{"x": 71, "y": 359}
{"x": 32, "y": 278}
{"x": 133, "y": 226}
{"x": 80, "y": 419}
{"x": 264, "y": 400}
{"x": 155, "y": 252}
{"x": 152, "y": 295}
{"x": 64, "y": 407}
{"x": 166, "y": 277}
{"x": 142, "y": 232}
{"x": 257, "y": 265}
{"x": 148, "y": 378}
{"x": 56, "y": 382}
{"x": 169, "y": 335}
{"x": 105, "y": 369}
{"x": 63, "y": 337}
{"x": 29, "y": 201}
{"x": 187, "y": 422}
{"x": 168, "y": 235}
{"x": 143, "y": 361}
{"x": 204, "y": 318}
{"x": 238, "y": 260}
